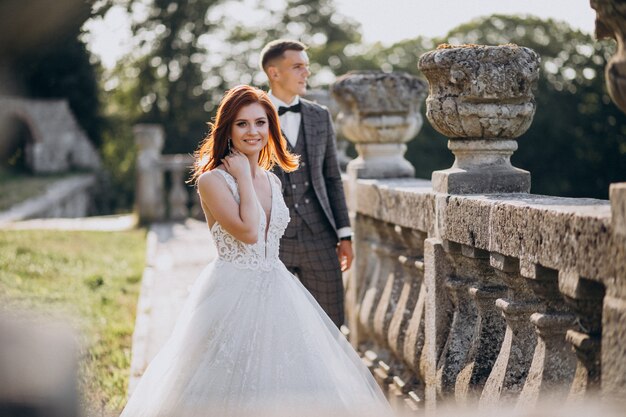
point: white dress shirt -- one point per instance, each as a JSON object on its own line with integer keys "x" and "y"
{"x": 289, "y": 121}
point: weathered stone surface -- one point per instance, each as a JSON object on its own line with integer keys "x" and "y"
{"x": 379, "y": 112}
{"x": 412, "y": 283}
{"x": 559, "y": 233}
{"x": 438, "y": 315}
{"x": 554, "y": 365}
{"x": 481, "y": 98}
{"x": 378, "y": 107}
{"x": 481, "y": 91}
{"x": 617, "y": 195}
{"x": 614, "y": 348}
{"x": 526, "y": 242}
{"x": 611, "y": 22}
{"x": 488, "y": 336}
{"x": 391, "y": 249}
{"x": 406, "y": 202}
{"x": 481, "y": 166}
{"x": 509, "y": 372}
{"x": 59, "y": 143}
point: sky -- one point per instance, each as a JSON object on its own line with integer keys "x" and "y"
{"x": 404, "y": 19}
{"x": 385, "y": 21}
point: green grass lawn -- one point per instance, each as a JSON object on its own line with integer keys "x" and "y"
{"x": 15, "y": 188}
{"x": 92, "y": 276}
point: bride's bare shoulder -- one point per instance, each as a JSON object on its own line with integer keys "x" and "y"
{"x": 212, "y": 181}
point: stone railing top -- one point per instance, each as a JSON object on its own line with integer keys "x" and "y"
{"x": 374, "y": 92}
{"x": 176, "y": 162}
{"x": 406, "y": 202}
{"x": 565, "y": 234}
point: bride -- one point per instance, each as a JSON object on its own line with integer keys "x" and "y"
{"x": 251, "y": 340}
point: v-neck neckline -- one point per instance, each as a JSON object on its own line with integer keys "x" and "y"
{"x": 268, "y": 216}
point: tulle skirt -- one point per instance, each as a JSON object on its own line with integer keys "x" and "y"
{"x": 254, "y": 343}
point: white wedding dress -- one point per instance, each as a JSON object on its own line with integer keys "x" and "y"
{"x": 252, "y": 341}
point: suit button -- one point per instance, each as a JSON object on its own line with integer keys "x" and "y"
{"x": 306, "y": 201}
{"x": 303, "y": 164}
{"x": 293, "y": 186}
{"x": 296, "y": 205}
{"x": 306, "y": 183}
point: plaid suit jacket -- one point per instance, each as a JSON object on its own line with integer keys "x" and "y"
{"x": 323, "y": 166}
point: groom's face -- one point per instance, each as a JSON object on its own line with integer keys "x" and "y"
{"x": 291, "y": 73}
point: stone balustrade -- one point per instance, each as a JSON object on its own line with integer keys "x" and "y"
{"x": 161, "y": 192}
{"x": 468, "y": 289}
{"x": 465, "y": 289}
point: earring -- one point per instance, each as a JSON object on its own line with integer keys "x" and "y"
{"x": 229, "y": 148}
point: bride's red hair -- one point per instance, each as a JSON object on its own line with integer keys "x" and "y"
{"x": 214, "y": 147}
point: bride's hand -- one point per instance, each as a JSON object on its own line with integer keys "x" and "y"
{"x": 237, "y": 165}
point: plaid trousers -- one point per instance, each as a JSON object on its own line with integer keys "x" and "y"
{"x": 313, "y": 259}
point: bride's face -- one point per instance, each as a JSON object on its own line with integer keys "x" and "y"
{"x": 250, "y": 129}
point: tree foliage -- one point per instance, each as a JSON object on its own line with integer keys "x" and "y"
{"x": 60, "y": 66}
{"x": 191, "y": 51}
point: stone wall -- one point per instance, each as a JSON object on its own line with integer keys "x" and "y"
{"x": 59, "y": 144}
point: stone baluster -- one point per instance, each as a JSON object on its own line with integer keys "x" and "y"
{"x": 480, "y": 98}
{"x": 509, "y": 372}
{"x": 464, "y": 319}
{"x": 410, "y": 310}
{"x": 614, "y": 306}
{"x": 149, "y": 193}
{"x": 393, "y": 282}
{"x": 379, "y": 113}
{"x": 489, "y": 328}
{"x": 364, "y": 278}
{"x": 554, "y": 364}
{"x": 584, "y": 297}
{"x": 178, "y": 196}
{"x": 412, "y": 279}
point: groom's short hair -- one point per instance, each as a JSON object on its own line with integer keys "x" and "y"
{"x": 276, "y": 49}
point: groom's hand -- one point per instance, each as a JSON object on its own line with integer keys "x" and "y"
{"x": 344, "y": 252}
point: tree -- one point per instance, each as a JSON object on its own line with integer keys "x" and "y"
{"x": 58, "y": 65}
{"x": 191, "y": 51}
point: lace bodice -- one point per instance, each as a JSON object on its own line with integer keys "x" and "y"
{"x": 264, "y": 253}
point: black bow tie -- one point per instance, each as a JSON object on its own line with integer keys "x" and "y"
{"x": 295, "y": 108}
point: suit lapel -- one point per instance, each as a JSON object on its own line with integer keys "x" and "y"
{"x": 310, "y": 132}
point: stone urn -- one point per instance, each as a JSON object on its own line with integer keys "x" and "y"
{"x": 324, "y": 98}
{"x": 481, "y": 98}
{"x": 379, "y": 113}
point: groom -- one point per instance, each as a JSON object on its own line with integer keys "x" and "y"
{"x": 316, "y": 246}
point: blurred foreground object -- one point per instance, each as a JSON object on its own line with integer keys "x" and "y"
{"x": 611, "y": 23}
{"x": 37, "y": 368}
